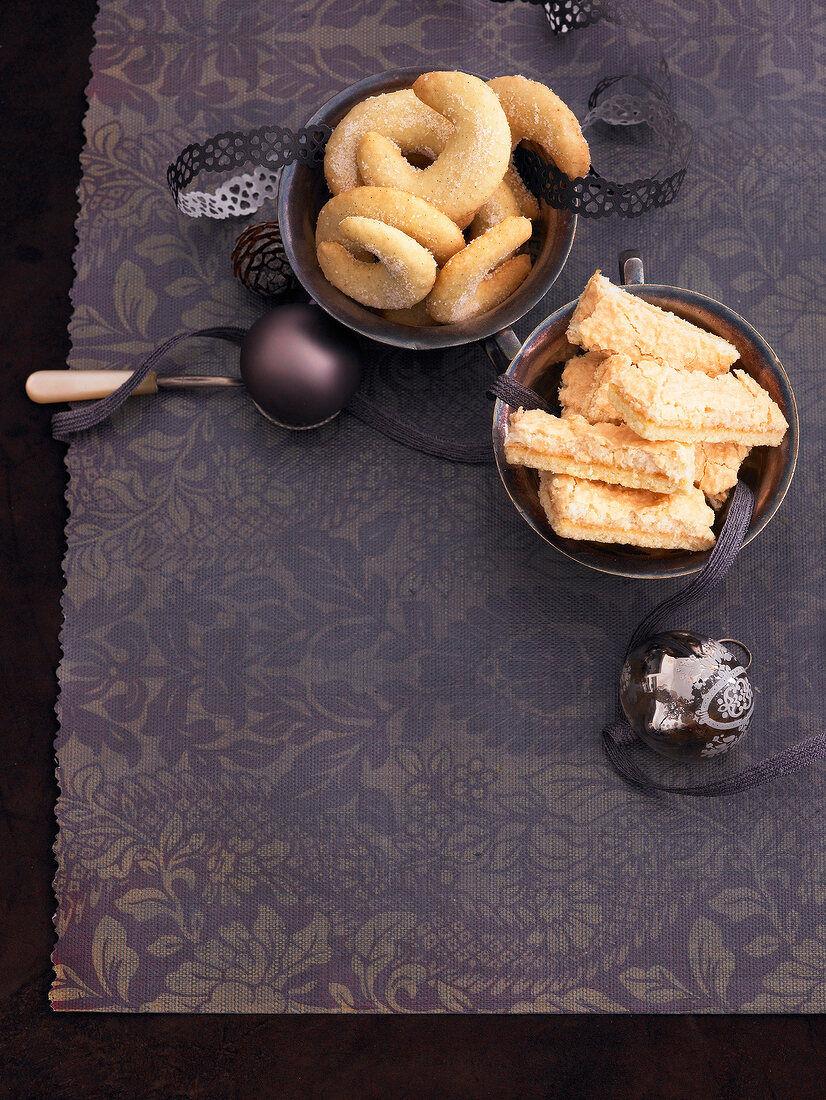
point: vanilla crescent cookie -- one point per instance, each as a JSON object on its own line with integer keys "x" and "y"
{"x": 400, "y": 116}
{"x": 528, "y": 202}
{"x": 502, "y": 204}
{"x": 474, "y": 158}
{"x": 414, "y": 216}
{"x": 472, "y": 281}
{"x": 403, "y": 276}
{"x": 535, "y": 113}
{"x": 414, "y": 317}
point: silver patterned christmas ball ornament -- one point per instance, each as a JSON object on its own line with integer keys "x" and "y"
{"x": 260, "y": 261}
{"x": 687, "y": 696}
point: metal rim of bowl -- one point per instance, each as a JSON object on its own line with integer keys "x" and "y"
{"x": 374, "y": 326}
{"x": 654, "y": 290}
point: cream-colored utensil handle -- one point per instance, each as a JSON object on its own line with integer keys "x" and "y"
{"x": 48, "y": 387}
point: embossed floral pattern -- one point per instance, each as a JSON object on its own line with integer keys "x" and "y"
{"x": 736, "y": 699}
{"x": 329, "y": 711}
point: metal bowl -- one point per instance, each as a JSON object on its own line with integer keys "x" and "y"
{"x": 767, "y": 470}
{"x": 303, "y": 192}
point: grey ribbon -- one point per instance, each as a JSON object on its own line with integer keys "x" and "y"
{"x": 618, "y": 737}
{"x": 66, "y": 424}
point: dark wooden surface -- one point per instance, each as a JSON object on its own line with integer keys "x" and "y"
{"x": 43, "y": 71}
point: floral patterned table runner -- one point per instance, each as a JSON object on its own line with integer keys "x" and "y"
{"x": 329, "y": 711}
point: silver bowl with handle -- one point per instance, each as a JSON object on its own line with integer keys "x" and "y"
{"x": 302, "y": 193}
{"x": 768, "y": 471}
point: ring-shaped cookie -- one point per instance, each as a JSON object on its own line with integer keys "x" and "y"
{"x": 474, "y": 158}
{"x": 534, "y": 113}
{"x": 400, "y": 116}
{"x": 472, "y": 282}
{"x": 403, "y": 276}
{"x": 417, "y": 218}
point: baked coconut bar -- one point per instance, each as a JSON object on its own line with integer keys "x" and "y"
{"x": 597, "y": 452}
{"x": 592, "y": 510}
{"x": 599, "y": 408}
{"x": 716, "y": 466}
{"x": 578, "y": 381}
{"x": 717, "y": 500}
{"x": 659, "y": 402}
{"x": 609, "y": 319}
{"x": 583, "y": 390}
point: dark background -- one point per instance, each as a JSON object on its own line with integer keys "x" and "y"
{"x": 43, "y": 72}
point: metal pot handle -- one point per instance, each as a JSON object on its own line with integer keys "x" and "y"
{"x": 632, "y": 272}
{"x": 502, "y": 348}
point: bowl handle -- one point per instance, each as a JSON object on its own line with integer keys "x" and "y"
{"x": 632, "y": 272}
{"x": 502, "y": 348}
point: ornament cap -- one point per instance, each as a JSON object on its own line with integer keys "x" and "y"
{"x": 743, "y": 646}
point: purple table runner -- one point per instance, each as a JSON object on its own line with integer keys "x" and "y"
{"x": 329, "y": 710}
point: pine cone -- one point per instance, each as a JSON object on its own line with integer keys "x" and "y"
{"x": 260, "y": 262}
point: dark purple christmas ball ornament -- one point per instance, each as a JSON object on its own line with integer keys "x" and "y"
{"x": 687, "y": 696}
{"x": 300, "y": 366}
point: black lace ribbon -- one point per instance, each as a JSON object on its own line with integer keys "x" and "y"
{"x": 594, "y": 196}
{"x": 266, "y": 151}
{"x": 635, "y": 99}
{"x": 271, "y": 146}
